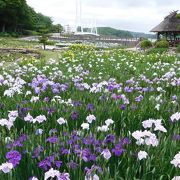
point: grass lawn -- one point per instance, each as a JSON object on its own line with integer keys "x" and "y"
{"x": 14, "y": 43}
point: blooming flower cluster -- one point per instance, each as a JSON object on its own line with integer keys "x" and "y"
{"x": 13, "y": 157}
{"x": 18, "y": 142}
{"x": 61, "y": 120}
{"x": 105, "y": 127}
{"x": 10, "y": 121}
{"x": 145, "y": 137}
{"x": 89, "y": 120}
{"x": 55, "y": 173}
{"x": 175, "y": 117}
{"x": 6, "y": 167}
{"x": 176, "y": 160}
{"x": 142, "y": 155}
{"x": 41, "y": 84}
{"x": 39, "y": 119}
{"x": 157, "y": 123}
{"x": 49, "y": 162}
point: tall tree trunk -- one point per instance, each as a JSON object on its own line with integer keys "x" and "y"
{"x": 44, "y": 46}
{"x": 3, "y": 28}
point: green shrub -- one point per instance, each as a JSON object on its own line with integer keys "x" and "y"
{"x": 162, "y": 44}
{"x": 51, "y": 43}
{"x": 30, "y": 33}
{"x": 9, "y": 34}
{"x": 15, "y": 35}
{"x": 4, "y": 34}
{"x": 81, "y": 47}
{"x": 178, "y": 16}
{"x": 145, "y": 44}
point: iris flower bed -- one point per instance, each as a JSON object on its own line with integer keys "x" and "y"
{"x": 90, "y": 115}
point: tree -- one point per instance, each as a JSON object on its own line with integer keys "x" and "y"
{"x": 16, "y": 14}
{"x": 44, "y": 37}
{"x": 11, "y": 12}
{"x": 43, "y": 22}
{"x": 58, "y": 28}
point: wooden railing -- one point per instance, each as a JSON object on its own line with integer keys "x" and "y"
{"x": 129, "y": 42}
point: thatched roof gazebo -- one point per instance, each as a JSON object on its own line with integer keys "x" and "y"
{"x": 169, "y": 28}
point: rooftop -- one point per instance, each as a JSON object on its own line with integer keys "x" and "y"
{"x": 170, "y": 23}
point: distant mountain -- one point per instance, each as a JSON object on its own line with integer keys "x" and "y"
{"x": 112, "y": 32}
{"x": 108, "y": 31}
{"x": 143, "y": 35}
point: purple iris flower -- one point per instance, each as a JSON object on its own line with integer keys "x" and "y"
{"x": 90, "y": 107}
{"x": 49, "y": 162}
{"x": 46, "y": 99}
{"x": 22, "y": 111}
{"x": 74, "y": 115}
{"x": 37, "y": 151}
{"x": 18, "y": 142}
{"x": 51, "y": 111}
{"x": 110, "y": 138}
{"x": 92, "y": 157}
{"x": 73, "y": 165}
{"x": 85, "y": 154}
{"x": 174, "y": 98}
{"x": 139, "y": 98}
{"x": 176, "y": 137}
{"x": 123, "y": 107}
{"x": 65, "y": 151}
{"x": 13, "y": 157}
{"x": 128, "y": 89}
{"x": 118, "y": 150}
{"x": 53, "y": 139}
{"x": 77, "y": 103}
{"x": 88, "y": 141}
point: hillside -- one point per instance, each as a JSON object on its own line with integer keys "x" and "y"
{"x": 108, "y": 31}
{"x": 143, "y": 35}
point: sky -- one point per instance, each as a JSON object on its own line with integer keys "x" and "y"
{"x": 132, "y": 15}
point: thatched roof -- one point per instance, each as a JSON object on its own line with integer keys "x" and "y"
{"x": 170, "y": 24}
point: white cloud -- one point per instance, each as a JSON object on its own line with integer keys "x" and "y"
{"x": 135, "y": 15}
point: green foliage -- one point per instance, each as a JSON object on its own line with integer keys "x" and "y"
{"x": 57, "y": 28}
{"x": 145, "y": 44}
{"x": 157, "y": 50}
{"x": 5, "y": 34}
{"x": 43, "y": 23}
{"x": 162, "y": 44}
{"x": 30, "y": 33}
{"x": 17, "y": 16}
{"x": 82, "y": 47}
{"x": 178, "y": 15}
{"x": 50, "y": 43}
{"x": 12, "y": 12}
{"x": 44, "y": 40}
{"x": 9, "y": 34}
{"x": 178, "y": 49}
